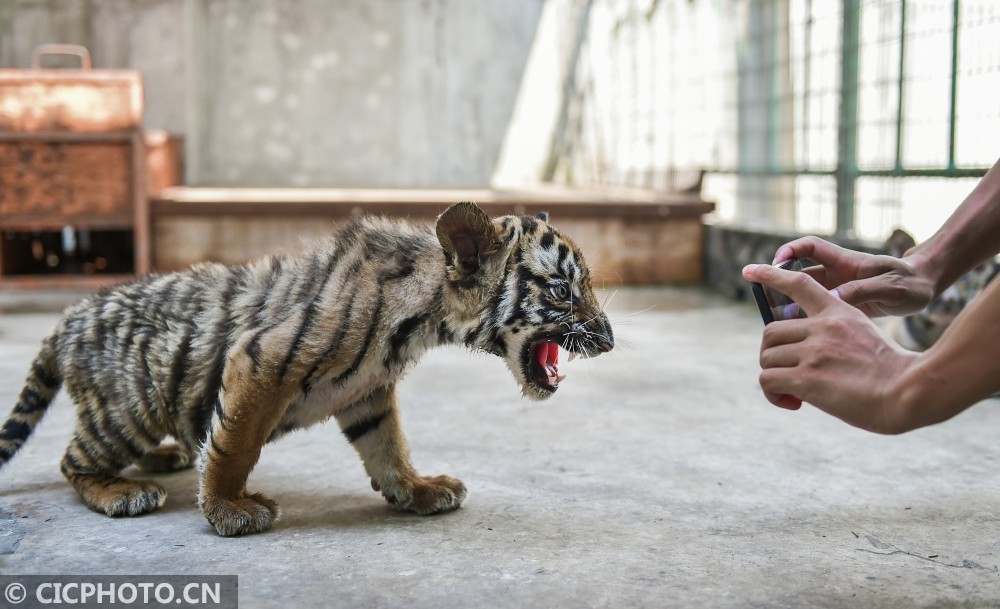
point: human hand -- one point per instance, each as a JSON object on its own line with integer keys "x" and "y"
{"x": 877, "y": 285}
{"x": 836, "y": 359}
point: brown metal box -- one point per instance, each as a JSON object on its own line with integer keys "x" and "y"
{"x": 70, "y": 101}
{"x": 71, "y": 149}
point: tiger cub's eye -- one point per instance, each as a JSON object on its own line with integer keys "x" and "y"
{"x": 561, "y": 291}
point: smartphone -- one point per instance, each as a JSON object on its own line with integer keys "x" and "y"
{"x": 775, "y": 305}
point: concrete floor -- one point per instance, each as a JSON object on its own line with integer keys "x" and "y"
{"x": 658, "y": 476}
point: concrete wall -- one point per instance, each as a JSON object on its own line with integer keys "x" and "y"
{"x": 308, "y": 92}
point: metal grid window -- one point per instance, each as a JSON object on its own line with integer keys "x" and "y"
{"x": 851, "y": 117}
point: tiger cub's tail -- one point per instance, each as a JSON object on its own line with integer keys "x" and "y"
{"x": 40, "y": 388}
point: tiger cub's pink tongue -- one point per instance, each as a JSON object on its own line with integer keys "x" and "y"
{"x": 547, "y": 356}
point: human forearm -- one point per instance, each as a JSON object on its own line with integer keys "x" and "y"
{"x": 968, "y": 237}
{"x": 961, "y": 369}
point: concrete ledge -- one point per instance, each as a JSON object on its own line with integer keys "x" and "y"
{"x": 630, "y": 236}
{"x": 619, "y": 202}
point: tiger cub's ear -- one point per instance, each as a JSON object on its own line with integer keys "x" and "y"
{"x": 467, "y": 235}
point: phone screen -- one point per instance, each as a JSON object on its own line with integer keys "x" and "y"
{"x": 775, "y": 305}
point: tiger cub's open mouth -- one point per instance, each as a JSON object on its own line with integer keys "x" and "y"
{"x": 542, "y": 363}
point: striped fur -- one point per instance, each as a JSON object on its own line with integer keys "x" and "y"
{"x": 227, "y": 358}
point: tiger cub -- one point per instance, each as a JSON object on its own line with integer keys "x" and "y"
{"x": 919, "y": 331}
{"x": 228, "y": 358}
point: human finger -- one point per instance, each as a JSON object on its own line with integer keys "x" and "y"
{"x": 802, "y": 288}
{"x": 783, "y": 400}
{"x": 817, "y": 272}
{"x": 788, "y": 402}
{"x": 780, "y": 381}
{"x": 861, "y": 291}
{"x": 818, "y": 250}
{"x": 883, "y": 290}
{"x": 782, "y": 356}
{"x": 786, "y": 333}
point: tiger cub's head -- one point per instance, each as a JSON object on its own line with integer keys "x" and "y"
{"x": 527, "y": 292}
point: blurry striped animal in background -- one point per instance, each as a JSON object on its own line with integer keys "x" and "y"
{"x": 921, "y": 330}
{"x": 227, "y": 358}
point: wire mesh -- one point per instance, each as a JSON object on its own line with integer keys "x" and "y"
{"x": 760, "y": 92}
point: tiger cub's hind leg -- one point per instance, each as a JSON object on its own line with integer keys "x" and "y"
{"x": 101, "y": 447}
{"x": 372, "y": 425}
{"x": 93, "y": 474}
{"x": 166, "y": 458}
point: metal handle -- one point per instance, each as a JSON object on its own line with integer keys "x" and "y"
{"x": 60, "y": 49}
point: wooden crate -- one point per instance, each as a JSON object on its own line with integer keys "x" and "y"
{"x": 72, "y": 154}
{"x": 49, "y": 184}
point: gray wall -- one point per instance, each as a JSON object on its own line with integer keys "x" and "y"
{"x": 308, "y": 92}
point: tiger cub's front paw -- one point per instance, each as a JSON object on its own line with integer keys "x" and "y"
{"x": 426, "y": 495}
{"x": 244, "y": 516}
